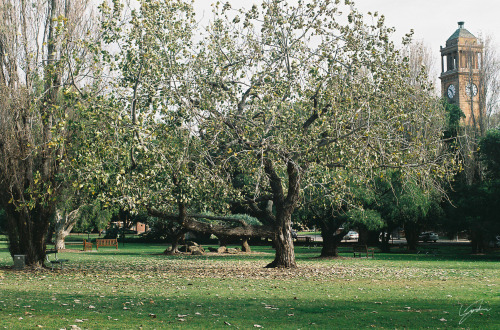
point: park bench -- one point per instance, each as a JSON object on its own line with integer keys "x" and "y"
{"x": 66, "y": 244}
{"x": 363, "y": 249}
{"x": 304, "y": 240}
{"x": 56, "y": 261}
{"x": 106, "y": 242}
{"x": 87, "y": 246}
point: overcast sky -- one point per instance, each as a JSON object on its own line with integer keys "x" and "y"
{"x": 433, "y": 21}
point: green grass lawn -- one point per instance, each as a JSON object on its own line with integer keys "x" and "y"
{"x": 137, "y": 287}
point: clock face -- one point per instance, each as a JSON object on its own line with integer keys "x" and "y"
{"x": 451, "y": 91}
{"x": 471, "y": 90}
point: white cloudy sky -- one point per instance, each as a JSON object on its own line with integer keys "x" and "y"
{"x": 433, "y": 21}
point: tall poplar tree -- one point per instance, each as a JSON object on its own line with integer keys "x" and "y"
{"x": 42, "y": 62}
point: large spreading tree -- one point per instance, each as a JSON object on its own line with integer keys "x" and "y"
{"x": 258, "y": 106}
{"x": 302, "y": 96}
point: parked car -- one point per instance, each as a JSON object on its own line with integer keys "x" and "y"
{"x": 495, "y": 242}
{"x": 351, "y": 235}
{"x": 428, "y": 236}
{"x": 382, "y": 235}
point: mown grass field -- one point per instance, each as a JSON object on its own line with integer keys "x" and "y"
{"x": 136, "y": 287}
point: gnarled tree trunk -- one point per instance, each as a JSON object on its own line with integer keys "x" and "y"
{"x": 222, "y": 232}
{"x": 331, "y": 242}
{"x": 411, "y": 234}
{"x": 177, "y": 237}
{"x": 27, "y": 231}
{"x": 282, "y": 230}
{"x": 245, "y": 247}
{"x": 477, "y": 240}
{"x": 283, "y": 242}
{"x": 223, "y": 240}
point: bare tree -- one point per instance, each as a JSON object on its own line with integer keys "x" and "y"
{"x": 421, "y": 62}
{"x": 489, "y": 82}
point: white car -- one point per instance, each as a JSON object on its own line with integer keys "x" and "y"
{"x": 428, "y": 236}
{"x": 351, "y": 235}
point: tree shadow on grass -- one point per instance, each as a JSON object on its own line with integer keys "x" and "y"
{"x": 233, "y": 303}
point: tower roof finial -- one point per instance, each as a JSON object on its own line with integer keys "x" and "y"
{"x": 461, "y": 32}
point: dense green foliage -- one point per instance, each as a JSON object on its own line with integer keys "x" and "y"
{"x": 93, "y": 217}
{"x": 490, "y": 154}
{"x": 475, "y": 204}
{"x": 247, "y": 219}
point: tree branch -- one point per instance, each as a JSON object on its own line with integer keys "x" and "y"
{"x": 274, "y": 181}
{"x": 218, "y": 230}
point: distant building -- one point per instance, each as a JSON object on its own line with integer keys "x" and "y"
{"x": 460, "y": 72}
{"x": 138, "y": 227}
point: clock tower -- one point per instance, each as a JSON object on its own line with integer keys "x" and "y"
{"x": 460, "y": 63}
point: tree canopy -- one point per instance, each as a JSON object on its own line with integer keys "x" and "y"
{"x": 250, "y": 111}
{"x": 286, "y": 96}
